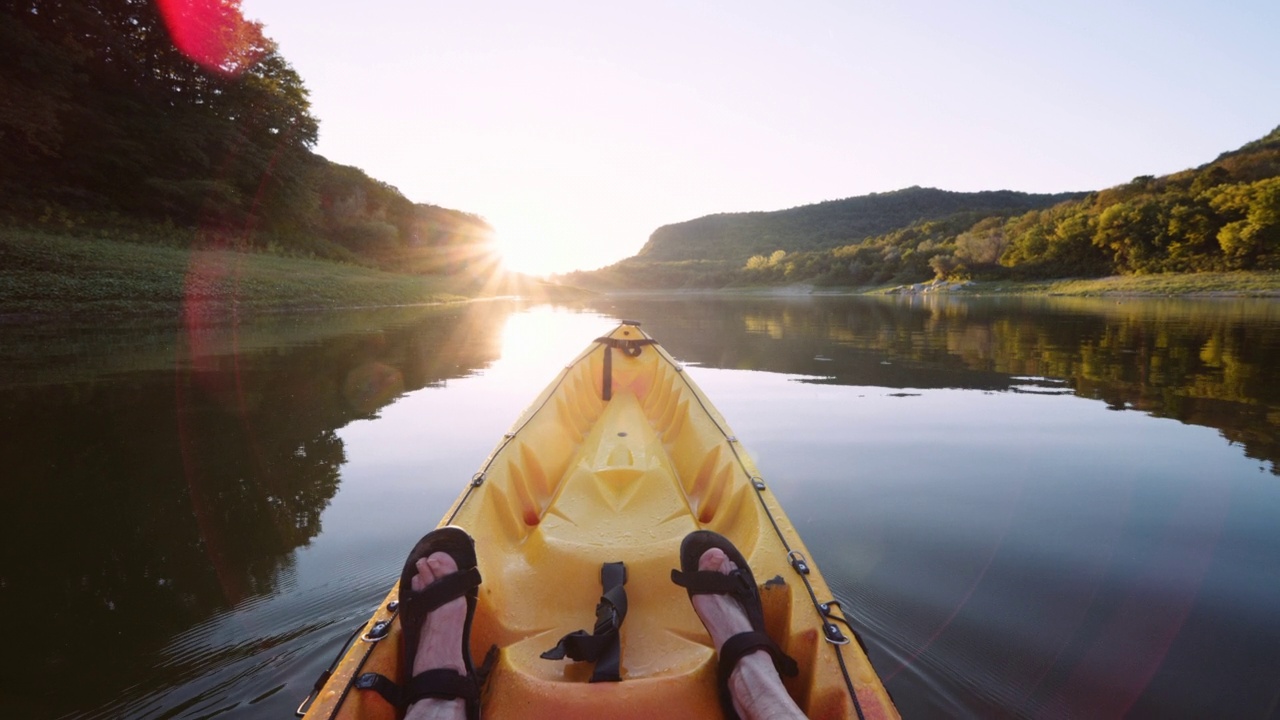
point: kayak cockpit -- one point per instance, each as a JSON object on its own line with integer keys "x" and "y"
{"x": 618, "y": 460}
{"x": 583, "y": 482}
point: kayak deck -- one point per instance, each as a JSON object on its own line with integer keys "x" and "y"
{"x": 618, "y": 460}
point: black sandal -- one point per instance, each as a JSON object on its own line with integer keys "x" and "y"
{"x": 442, "y": 683}
{"x": 740, "y": 585}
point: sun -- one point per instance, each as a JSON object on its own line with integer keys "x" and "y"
{"x": 531, "y": 252}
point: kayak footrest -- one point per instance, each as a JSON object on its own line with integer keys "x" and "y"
{"x": 602, "y": 646}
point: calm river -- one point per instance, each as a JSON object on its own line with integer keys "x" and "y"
{"x": 1029, "y": 507}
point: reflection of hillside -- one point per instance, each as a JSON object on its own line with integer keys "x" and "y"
{"x": 63, "y": 351}
{"x": 152, "y": 499}
{"x": 1201, "y": 362}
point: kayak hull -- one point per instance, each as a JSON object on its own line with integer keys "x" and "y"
{"x": 617, "y": 461}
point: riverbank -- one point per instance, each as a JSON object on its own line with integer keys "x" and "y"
{"x": 1221, "y": 284}
{"x": 1210, "y": 284}
{"x": 44, "y": 274}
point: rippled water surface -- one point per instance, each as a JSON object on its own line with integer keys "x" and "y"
{"x": 1030, "y": 508}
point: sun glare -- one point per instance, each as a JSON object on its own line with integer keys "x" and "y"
{"x": 531, "y": 253}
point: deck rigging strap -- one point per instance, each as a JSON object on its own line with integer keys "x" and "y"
{"x": 327, "y": 673}
{"x": 797, "y": 563}
{"x": 602, "y": 646}
{"x": 631, "y": 348}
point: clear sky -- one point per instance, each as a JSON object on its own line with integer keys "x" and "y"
{"x": 578, "y": 128}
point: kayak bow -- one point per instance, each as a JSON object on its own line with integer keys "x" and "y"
{"x": 617, "y": 461}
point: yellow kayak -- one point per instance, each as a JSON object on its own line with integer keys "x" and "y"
{"x": 618, "y": 460}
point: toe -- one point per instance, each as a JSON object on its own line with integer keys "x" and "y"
{"x": 425, "y": 575}
{"x": 714, "y": 560}
{"x": 441, "y": 564}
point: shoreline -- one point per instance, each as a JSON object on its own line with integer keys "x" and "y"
{"x": 46, "y": 276}
{"x": 1242, "y": 284}
{"x": 1236, "y": 284}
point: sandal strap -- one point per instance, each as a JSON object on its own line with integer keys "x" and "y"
{"x": 748, "y": 642}
{"x": 440, "y": 683}
{"x": 708, "y": 582}
{"x": 449, "y": 587}
{"x": 380, "y": 684}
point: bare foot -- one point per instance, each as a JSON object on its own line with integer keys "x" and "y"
{"x": 440, "y": 643}
{"x": 755, "y": 685}
{"x": 721, "y": 614}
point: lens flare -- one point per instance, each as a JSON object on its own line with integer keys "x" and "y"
{"x": 213, "y": 33}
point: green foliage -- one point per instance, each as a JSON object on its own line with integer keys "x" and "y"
{"x": 826, "y": 225}
{"x": 103, "y": 122}
{"x": 641, "y": 274}
{"x": 1251, "y": 235}
{"x": 108, "y": 111}
{"x": 367, "y": 237}
{"x": 45, "y": 273}
{"x": 1222, "y": 216}
{"x": 982, "y": 245}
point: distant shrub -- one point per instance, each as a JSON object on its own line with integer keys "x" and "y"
{"x": 368, "y": 237}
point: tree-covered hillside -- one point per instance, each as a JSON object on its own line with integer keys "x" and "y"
{"x": 738, "y": 236}
{"x": 1222, "y": 216}
{"x": 105, "y": 124}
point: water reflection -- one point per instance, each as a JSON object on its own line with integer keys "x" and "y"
{"x": 1015, "y": 552}
{"x": 144, "y": 499}
{"x": 1203, "y": 362}
{"x": 196, "y": 521}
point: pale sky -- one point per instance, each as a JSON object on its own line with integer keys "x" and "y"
{"x": 578, "y": 128}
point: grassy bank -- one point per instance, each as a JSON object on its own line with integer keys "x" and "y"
{"x": 44, "y": 274}
{"x": 1226, "y": 284}
{"x": 1242, "y": 283}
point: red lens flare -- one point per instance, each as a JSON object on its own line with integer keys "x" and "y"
{"x": 213, "y": 33}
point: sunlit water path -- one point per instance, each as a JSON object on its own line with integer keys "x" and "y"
{"x": 1043, "y": 508}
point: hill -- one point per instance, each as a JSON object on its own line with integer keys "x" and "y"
{"x": 830, "y": 224}
{"x": 1222, "y": 216}
{"x": 112, "y": 126}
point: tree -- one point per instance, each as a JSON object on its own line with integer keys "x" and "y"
{"x": 945, "y": 266}
{"x": 1251, "y": 237}
{"x": 99, "y": 111}
{"x": 983, "y": 244}
{"x": 1135, "y": 233}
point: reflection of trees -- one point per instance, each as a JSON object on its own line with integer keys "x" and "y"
{"x": 141, "y": 503}
{"x": 1201, "y": 362}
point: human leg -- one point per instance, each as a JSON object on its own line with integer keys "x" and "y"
{"x": 754, "y": 684}
{"x": 438, "y": 591}
{"x": 440, "y": 640}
